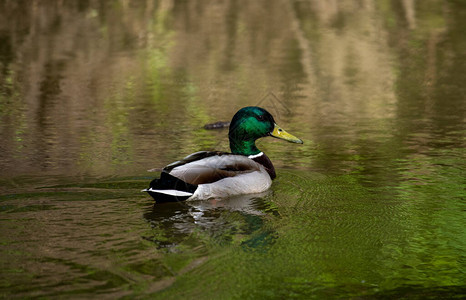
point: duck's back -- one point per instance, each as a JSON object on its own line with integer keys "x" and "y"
{"x": 209, "y": 167}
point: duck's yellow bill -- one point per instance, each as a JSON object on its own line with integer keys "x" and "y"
{"x": 282, "y": 134}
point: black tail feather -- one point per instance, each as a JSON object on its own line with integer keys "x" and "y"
{"x": 169, "y": 182}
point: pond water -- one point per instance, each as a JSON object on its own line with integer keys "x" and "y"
{"x": 95, "y": 93}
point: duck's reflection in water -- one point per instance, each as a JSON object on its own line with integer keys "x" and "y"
{"x": 221, "y": 220}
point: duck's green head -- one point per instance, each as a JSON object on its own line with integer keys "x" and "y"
{"x": 251, "y": 123}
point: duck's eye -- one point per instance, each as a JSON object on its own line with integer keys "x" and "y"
{"x": 260, "y": 118}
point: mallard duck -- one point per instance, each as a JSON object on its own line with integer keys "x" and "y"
{"x": 214, "y": 174}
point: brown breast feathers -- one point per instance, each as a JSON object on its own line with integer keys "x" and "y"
{"x": 265, "y": 161}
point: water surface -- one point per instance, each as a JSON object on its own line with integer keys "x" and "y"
{"x": 95, "y": 93}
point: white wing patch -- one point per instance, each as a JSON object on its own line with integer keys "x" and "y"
{"x": 168, "y": 192}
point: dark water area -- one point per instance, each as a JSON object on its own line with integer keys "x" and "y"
{"x": 95, "y": 93}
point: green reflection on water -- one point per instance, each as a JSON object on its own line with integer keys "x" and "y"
{"x": 313, "y": 235}
{"x": 336, "y": 237}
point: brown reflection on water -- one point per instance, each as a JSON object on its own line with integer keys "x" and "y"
{"x": 102, "y": 87}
